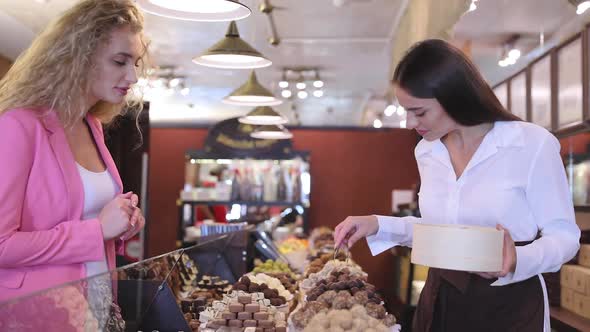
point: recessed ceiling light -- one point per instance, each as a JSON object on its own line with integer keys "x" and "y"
{"x": 302, "y": 94}
{"x": 318, "y": 93}
{"x": 377, "y": 123}
{"x": 286, "y": 93}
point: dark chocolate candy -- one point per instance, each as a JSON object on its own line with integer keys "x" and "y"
{"x": 200, "y": 301}
{"x": 186, "y": 305}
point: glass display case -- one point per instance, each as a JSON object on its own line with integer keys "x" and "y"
{"x": 210, "y": 287}
{"x": 163, "y": 293}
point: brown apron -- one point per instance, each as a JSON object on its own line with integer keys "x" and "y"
{"x": 456, "y": 301}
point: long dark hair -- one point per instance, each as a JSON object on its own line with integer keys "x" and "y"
{"x": 436, "y": 69}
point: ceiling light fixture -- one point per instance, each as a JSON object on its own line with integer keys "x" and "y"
{"x": 473, "y": 6}
{"x": 302, "y": 94}
{"x": 163, "y": 81}
{"x": 582, "y": 7}
{"x": 389, "y": 110}
{"x": 510, "y": 58}
{"x": 263, "y": 115}
{"x": 301, "y": 85}
{"x": 174, "y": 82}
{"x": 202, "y": 10}
{"x": 252, "y": 93}
{"x": 284, "y": 83}
{"x": 286, "y": 93}
{"x": 232, "y": 52}
{"x": 510, "y": 54}
{"x": 271, "y": 132}
{"x": 168, "y": 92}
{"x": 377, "y": 123}
{"x": 318, "y": 83}
{"x": 267, "y": 8}
{"x": 318, "y": 93}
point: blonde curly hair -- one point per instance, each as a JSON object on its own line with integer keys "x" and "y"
{"x": 54, "y": 71}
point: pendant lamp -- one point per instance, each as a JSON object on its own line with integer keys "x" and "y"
{"x": 232, "y": 52}
{"x": 271, "y": 132}
{"x": 263, "y": 115}
{"x": 252, "y": 94}
{"x": 197, "y": 10}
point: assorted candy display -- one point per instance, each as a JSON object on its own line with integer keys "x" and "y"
{"x": 331, "y": 294}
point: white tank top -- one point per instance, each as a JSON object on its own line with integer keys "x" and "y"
{"x": 99, "y": 190}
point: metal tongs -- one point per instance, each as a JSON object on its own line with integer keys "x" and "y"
{"x": 343, "y": 245}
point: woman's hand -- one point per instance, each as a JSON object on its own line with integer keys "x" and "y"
{"x": 115, "y": 216}
{"x": 354, "y": 228}
{"x": 136, "y": 222}
{"x": 508, "y": 257}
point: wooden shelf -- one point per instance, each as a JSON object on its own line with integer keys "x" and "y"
{"x": 565, "y": 320}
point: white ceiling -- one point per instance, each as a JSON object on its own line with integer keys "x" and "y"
{"x": 495, "y": 21}
{"x": 349, "y": 43}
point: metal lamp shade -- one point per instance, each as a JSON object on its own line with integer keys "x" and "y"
{"x": 252, "y": 94}
{"x": 263, "y": 115}
{"x": 232, "y": 52}
{"x": 197, "y": 10}
{"x": 272, "y": 132}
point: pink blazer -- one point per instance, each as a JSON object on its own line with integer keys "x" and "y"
{"x": 43, "y": 242}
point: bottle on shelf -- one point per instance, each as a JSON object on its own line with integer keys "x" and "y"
{"x": 288, "y": 185}
{"x": 246, "y": 186}
{"x": 235, "y": 186}
{"x": 296, "y": 180}
{"x": 270, "y": 184}
{"x": 257, "y": 185}
{"x": 281, "y": 186}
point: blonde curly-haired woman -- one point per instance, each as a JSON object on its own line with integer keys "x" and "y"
{"x": 62, "y": 210}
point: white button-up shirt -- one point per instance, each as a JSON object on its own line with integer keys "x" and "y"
{"x": 516, "y": 178}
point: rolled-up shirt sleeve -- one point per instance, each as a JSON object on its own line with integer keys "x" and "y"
{"x": 393, "y": 231}
{"x": 551, "y": 203}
